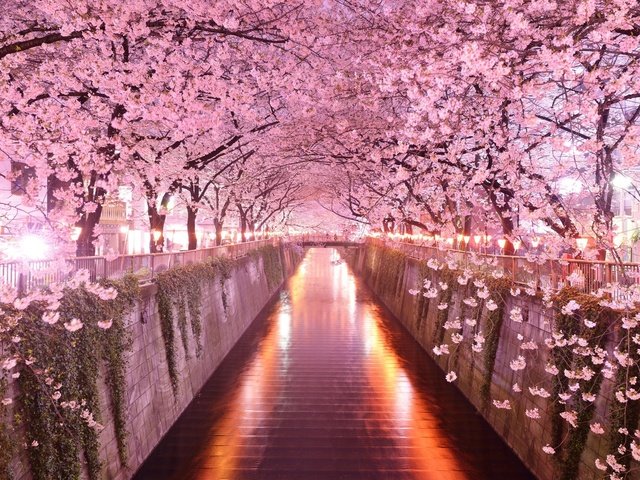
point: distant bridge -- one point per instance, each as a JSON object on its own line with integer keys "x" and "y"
{"x": 326, "y": 241}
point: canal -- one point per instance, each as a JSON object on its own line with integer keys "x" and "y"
{"x": 327, "y": 385}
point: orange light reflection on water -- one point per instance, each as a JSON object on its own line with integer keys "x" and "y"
{"x": 404, "y": 412}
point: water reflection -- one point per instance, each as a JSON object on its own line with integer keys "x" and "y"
{"x": 327, "y": 386}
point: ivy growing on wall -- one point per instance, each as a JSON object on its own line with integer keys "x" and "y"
{"x": 499, "y": 288}
{"x": 624, "y": 417}
{"x": 272, "y": 264}
{"x": 66, "y": 364}
{"x": 6, "y": 432}
{"x": 447, "y": 277}
{"x": 389, "y": 271}
{"x": 179, "y": 291}
{"x": 564, "y": 357}
{"x": 422, "y": 308}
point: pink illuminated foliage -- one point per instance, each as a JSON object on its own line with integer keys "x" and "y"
{"x": 445, "y": 117}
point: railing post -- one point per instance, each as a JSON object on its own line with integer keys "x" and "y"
{"x": 21, "y": 286}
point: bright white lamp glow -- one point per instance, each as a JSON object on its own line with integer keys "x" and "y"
{"x": 30, "y": 247}
{"x": 569, "y": 185}
{"x": 621, "y": 181}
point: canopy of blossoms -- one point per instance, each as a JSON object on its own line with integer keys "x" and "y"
{"x": 512, "y": 118}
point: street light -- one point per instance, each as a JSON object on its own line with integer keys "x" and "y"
{"x": 502, "y": 243}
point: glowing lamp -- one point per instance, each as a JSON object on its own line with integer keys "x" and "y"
{"x": 488, "y": 238}
{"x": 535, "y": 241}
{"x": 124, "y": 229}
{"x": 450, "y": 240}
{"x": 156, "y": 234}
{"x": 501, "y": 243}
{"x": 467, "y": 238}
{"x": 437, "y": 237}
{"x": 460, "y": 237}
{"x": 621, "y": 181}
{"x": 516, "y": 245}
{"x": 477, "y": 239}
{"x": 32, "y": 247}
{"x": 582, "y": 243}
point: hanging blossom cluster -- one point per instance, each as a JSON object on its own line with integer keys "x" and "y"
{"x": 15, "y": 309}
{"x": 577, "y": 345}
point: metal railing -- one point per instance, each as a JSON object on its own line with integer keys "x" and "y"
{"x": 26, "y": 276}
{"x": 587, "y": 276}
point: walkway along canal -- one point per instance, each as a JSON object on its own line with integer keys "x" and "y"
{"x": 327, "y": 385}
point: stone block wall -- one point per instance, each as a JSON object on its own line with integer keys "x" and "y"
{"x": 524, "y": 435}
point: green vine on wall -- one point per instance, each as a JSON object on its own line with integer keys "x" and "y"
{"x": 272, "y": 264}
{"x": 422, "y": 307}
{"x": 447, "y": 277}
{"x": 499, "y": 289}
{"x": 624, "y": 417}
{"x": 570, "y": 451}
{"x": 67, "y": 364}
{"x": 6, "y": 434}
{"x": 390, "y": 271}
{"x": 179, "y": 289}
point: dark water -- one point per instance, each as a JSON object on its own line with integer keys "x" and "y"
{"x": 325, "y": 386}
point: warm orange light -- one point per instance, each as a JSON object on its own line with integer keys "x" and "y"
{"x": 502, "y": 242}
{"x": 156, "y": 234}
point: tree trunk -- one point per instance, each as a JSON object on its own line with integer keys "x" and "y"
{"x": 84, "y": 243}
{"x": 218, "y": 226}
{"x": 156, "y": 223}
{"x": 243, "y": 227}
{"x": 192, "y": 213}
